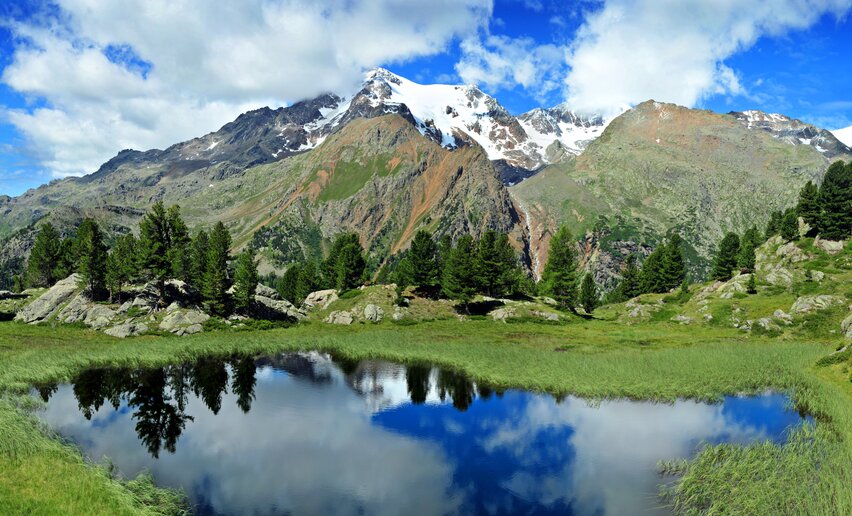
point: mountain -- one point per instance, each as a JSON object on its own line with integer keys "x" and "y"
{"x": 394, "y": 156}
{"x": 844, "y": 135}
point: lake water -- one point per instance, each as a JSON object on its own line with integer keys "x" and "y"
{"x": 306, "y": 434}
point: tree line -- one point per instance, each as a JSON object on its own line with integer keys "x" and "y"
{"x": 164, "y": 250}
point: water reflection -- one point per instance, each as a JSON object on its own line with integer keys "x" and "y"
{"x": 298, "y": 433}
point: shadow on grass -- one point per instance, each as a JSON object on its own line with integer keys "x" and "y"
{"x": 479, "y": 307}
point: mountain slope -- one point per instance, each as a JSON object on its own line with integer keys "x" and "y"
{"x": 844, "y": 135}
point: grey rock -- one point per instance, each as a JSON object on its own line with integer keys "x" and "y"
{"x": 178, "y": 321}
{"x": 320, "y": 298}
{"x": 48, "y": 304}
{"x": 275, "y": 309}
{"x": 736, "y": 285}
{"x": 99, "y": 316}
{"x": 339, "y": 317}
{"x": 373, "y": 313}
{"x": 708, "y": 317}
{"x": 783, "y": 316}
{"x": 263, "y": 290}
{"x": 808, "y": 304}
{"x": 846, "y": 326}
{"x": 548, "y": 316}
{"x": 682, "y": 319}
{"x": 398, "y": 314}
{"x": 829, "y": 246}
{"x": 75, "y": 310}
{"x": 124, "y": 308}
{"x": 767, "y": 324}
{"x": 501, "y": 314}
{"x": 128, "y": 329}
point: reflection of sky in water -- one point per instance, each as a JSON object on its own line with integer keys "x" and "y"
{"x": 320, "y": 441}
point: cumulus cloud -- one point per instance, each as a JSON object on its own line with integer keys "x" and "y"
{"x": 148, "y": 73}
{"x": 500, "y": 62}
{"x": 631, "y": 50}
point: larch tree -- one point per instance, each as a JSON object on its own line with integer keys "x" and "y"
{"x": 92, "y": 259}
{"x": 41, "y": 266}
{"x": 809, "y": 207}
{"x": 589, "y": 294}
{"x": 726, "y": 257}
{"x": 216, "y": 281}
{"x": 245, "y": 279}
{"x": 560, "y": 272}
{"x": 459, "y": 274}
{"x": 835, "y": 196}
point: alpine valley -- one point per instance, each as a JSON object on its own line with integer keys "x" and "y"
{"x": 395, "y": 156}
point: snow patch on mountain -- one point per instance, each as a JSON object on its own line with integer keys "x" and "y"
{"x": 792, "y": 131}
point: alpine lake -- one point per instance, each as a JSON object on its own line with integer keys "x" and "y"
{"x": 306, "y": 433}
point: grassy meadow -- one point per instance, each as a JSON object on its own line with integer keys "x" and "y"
{"x": 592, "y": 358}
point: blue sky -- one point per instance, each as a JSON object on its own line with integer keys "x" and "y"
{"x": 81, "y": 79}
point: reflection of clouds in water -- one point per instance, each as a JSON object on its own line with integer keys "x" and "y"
{"x": 291, "y": 459}
{"x": 617, "y": 445}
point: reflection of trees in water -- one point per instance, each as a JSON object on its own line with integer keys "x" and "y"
{"x": 159, "y": 396}
{"x": 460, "y": 389}
{"x": 417, "y": 378}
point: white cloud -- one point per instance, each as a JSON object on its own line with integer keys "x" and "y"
{"x": 196, "y": 64}
{"x": 501, "y": 62}
{"x": 844, "y": 135}
{"x": 629, "y": 51}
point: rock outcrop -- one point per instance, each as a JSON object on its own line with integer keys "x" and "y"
{"x": 320, "y": 298}
{"x": 275, "y": 309}
{"x": 809, "y": 304}
{"x": 184, "y": 322}
{"x": 340, "y": 317}
{"x": 50, "y": 303}
{"x": 128, "y": 329}
{"x": 373, "y": 313}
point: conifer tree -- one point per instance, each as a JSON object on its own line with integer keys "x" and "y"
{"x": 773, "y": 227}
{"x": 122, "y": 265}
{"x": 630, "y": 286}
{"x": 651, "y": 276}
{"x": 91, "y": 259}
{"x": 349, "y": 265}
{"x": 404, "y": 273}
{"x": 748, "y": 243}
{"x": 288, "y": 284}
{"x": 179, "y": 253}
{"x": 496, "y": 265}
{"x": 790, "y": 226}
{"x": 423, "y": 261}
{"x": 588, "y": 294}
{"x": 459, "y": 274}
{"x": 41, "y": 266}
{"x": 66, "y": 263}
{"x": 835, "y": 196}
{"x": 726, "y": 257}
{"x": 154, "y": 243}
{"x": 198, "y": 259}
{"x": 309, "y": 280}
{"x": 216, "y": 278}
{"x": 673, "y": 268}
{"x": 560, "y": 272}
{"x": 751, "y": 286}
{"x": 809, "y": 207}
{"x": 245, "y": 279}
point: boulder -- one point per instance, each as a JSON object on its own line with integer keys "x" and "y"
{"x": 271, "y": 293}
{"x": 75, "y": 311}
{"x": 829, "y": 246}
{"x": 373, "y": 313}
{"x": 179, "y": 321}
{"x": 275, "y": 309}
{"x": 129, "y": 329}
{"x": 736, "y": 285}
{"x": 808, "y": 304}
{"x": 320, "y": 298}
{"x": 339, "y": 317}
{"x": 846, "y": 327}
{"x": 682, "y": 319}
{"x": 398, "y": 314}
{"x": 501, "y": 314}
{"x": 99, "y": 316}
{"x": 548, "y": 316}
{"x": 49, "y": 303}
{"x": 783, "y": 316}
{"x": 767, "y": 324}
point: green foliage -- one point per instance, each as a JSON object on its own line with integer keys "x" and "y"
{"x": 345, "y": 266}
{"x": 750, "y": 241}
{"x": 497, "y": 268}
{"x": 287, "y": 285}
{"x": 216, "y": 281}
{"x": 835, "y": 196}
{"x": 45, "y": 253}
{"x": 589, "y": 294}
{"x": 245, "y": 279}
{"x": 405, "y": 274}
{"x": 459, "y": 275}
{"x": 790, "y": 226}
{"x": 673, "y": 267}
{"x": 773, "y": 226}
{"x": 809, "y": 207}
{"x": 198, "y": 259}
{"x": 630, "y": 285}
{"x": 726, "y": 257}
{"x": 308, "y": 281}
{"x": 751, "y": 286}
{"x": 179, "y": 254}
{"x": 651, "y": 275}
{"x": 155, "y": 244}
{"x": 560, "y": 272}
{"x": 423, "y": 262}
{"x": 91, "y": 259}
{"x": 122, "y": 264}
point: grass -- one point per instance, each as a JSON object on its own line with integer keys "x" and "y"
{"x": 594, "y": 358}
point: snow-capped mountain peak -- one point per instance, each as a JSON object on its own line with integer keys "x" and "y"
{"x": 844, "y": 135}
{"x": 793, "y": 132}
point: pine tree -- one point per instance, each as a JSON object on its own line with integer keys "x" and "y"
{"x": 588, "y": 294}
{"x": 748, "y": 243}
{"x": 496, "y": 265}
{"x": 790, "y": 226}
{"x": 154, "y": 244}
{"x": 66, "y": 263}
{"x": 673, "y": 268}
{"x": 245, "y": 279}
{"x": 288, "y": 284}
{"x": 726, "y": 257}
{"x": 423, "y": 260}
{"x": 330, "y": 265}
{"x": 349, "y": 266}
{"x": 751, "y": 286}
{"x": 216, "y": 277}
{"x": 92, "y": 259}
{"x": 309, "y": 280}
{"x": 122, "y": 266}
{"x": 41, "y": 266}
{"x": 404, "y": 275}
{"x": 809, "y": 207}
{"x": 560, "y": 272}
{"x": 180, "y": 255}
{"x": 835, "y": 196}
{"x": 459, "y": 274}
{"x": 651, "y": 276}
{"x": 198, "y": 259}
{"x": 630, "y": 285}
{"x": 773, "y": 227}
